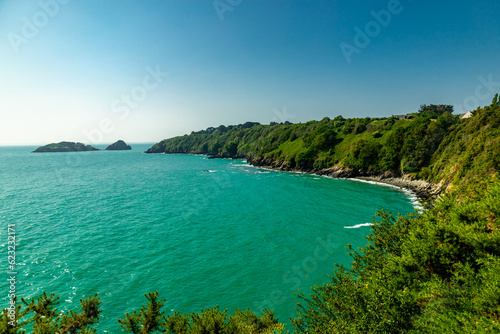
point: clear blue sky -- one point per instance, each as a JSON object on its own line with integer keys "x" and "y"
{"x": 80, "y": 70}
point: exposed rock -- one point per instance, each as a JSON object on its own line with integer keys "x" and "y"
{"x": 65, "y": 146}
{"x": 118, "y": 146}
{"x": 421, "y": 188}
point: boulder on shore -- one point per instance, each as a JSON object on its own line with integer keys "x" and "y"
{"x": 119, "y": 145}
{"x": 65, "y": 146}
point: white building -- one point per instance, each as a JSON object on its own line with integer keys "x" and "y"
{"x": 468, "y": 114}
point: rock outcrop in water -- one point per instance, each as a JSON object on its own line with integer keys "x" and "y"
{"x": 65, "y": 146}
{"x": 120, "y": 145}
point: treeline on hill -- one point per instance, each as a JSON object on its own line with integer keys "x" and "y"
{"x": 437, "y": 271}
{"x": 365, "y": 145}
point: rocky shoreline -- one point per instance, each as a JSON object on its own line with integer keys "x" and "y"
{"x": 422, "y": 189}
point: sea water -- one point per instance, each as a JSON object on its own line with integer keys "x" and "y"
{"x": 203, "y": 232}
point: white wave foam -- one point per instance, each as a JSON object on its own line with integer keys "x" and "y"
{"x": 410, "y": 194}
{"x": 359, "y": 225}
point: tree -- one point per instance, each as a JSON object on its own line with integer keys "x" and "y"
{"x": 433, "y": 110}
{"x": 148, "y": 320}
{"x": 496, "y": 101}
{"x": 151, "y": 320}
{"x": 363, "y": 155}
{"x": 231, "y": 148}
{"x": 46, "y": 319}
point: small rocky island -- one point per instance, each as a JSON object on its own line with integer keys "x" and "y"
{"x": 119, "y": 145}
{"x": 65, "y": 146}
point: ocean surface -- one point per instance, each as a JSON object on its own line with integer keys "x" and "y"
{"x": 201, "y": 232}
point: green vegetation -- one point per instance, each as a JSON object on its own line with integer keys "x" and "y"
{"x": 150, "y": 320}
{"x": 47, "y": 319}
{"x": 65, "y": 146}
{"x": 366, "y": 145}
{"x": 432, "y": 145}
{"x": 433, "y": 272}
{"x": 471, "y": 151}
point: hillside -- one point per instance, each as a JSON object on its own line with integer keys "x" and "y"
{"x": 433, "y": 145}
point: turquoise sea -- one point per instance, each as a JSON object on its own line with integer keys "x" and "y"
{"x": 123, "y": 223}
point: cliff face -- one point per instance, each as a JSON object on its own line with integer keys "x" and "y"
{"x": 65, "y": 147}
{"x": 423, "y": 189}
{"x": 117, "y": 146}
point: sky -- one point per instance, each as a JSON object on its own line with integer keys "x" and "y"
{"x": 96, "y": 71}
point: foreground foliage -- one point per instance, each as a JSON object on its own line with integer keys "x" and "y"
{"x": 46, "y": 319}
{"x": 150, "y": 319}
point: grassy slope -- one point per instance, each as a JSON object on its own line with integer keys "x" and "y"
{"x": 470, "y": 152}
